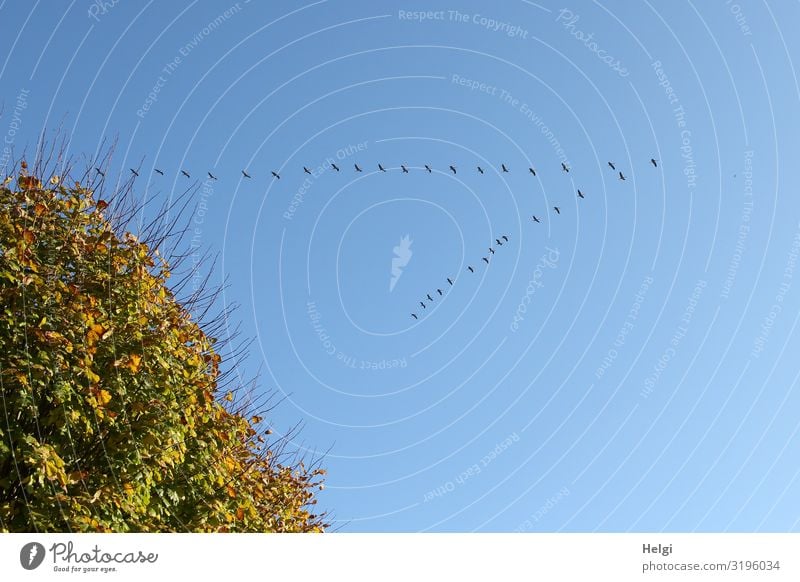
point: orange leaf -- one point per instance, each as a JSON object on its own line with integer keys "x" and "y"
{"x": 28, "y": 236}
{"x": 239, "y": 513}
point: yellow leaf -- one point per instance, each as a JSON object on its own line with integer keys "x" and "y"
{"x": 134, "y": 361}
{"x": 256, "y": 419}
{"x": 104, "y": 397}
{"x": 231, "y": 491}
{"x": 39, "y": 209}
{"x": 229, "y": 397}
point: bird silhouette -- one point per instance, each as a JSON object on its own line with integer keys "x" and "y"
{"x": 427, "y": 167}
{"x": 335, "y": 167}
{"x": 275, "y": 175}
{"x": 558, "y": 211}
{"x": 612, "y": 166}
{"x": 497, "y": 240}
{"x": 423, "y": 305}
{"x": 470, "y": 269}
{"x": 480, "y": 170}
{"x": 580, "y": 194}
{"x": 453, "y": 169}
{"x": 405, "y": 170}
{"x": 306, "y": 170}
{"x": 212, "y": 176}
{"x": 245, "y": 174}
{"x": 99, "y": 172}
{"x": 381, "y": 168}
{"x": 159, "y": 171}
{"x": 414, "y": 315}
{"x": 134, "y": 172}
{"x": 621, "y": 177}
{"x": 564, "y": 167}
{"x": 485, "y": 260}
{"x": 429, "y": 297}
{"x": 185, "y": 173}
{"x": 439, "y": 291}
{"x": 536, "y": 219}
{"x": 449, "y": 280}
{"x": 505, "y": 238}
{"x": 532, "y": 171}
{"x": 652, "y": 161}
{"x": 503, "y": 166}
{"x": 357, "y": 168}
{"x": 491, "y": 250}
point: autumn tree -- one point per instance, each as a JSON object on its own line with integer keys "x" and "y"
{"x": 115, "y": 416}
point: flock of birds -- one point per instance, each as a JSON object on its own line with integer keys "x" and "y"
{"x": 404, "y": 169}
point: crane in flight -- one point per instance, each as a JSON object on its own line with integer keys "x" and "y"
{"x": 612, "y": 166}
{"x": 159, "y": 171}
{"x": 306, "y": 170}
{"x": 134, "y": 172}
{"x": 275, "y": 175}
{"x": 621, "y": 176}
{"x": 532, "y": 171}
{"x": 357, "y": 168}
{"x": 480, "y": 170}
{"x": 564, "y": 167}
{"x": 653, "y": 161}
{"x": 427, "y": 167}
{"x": 381, "y": 168}
{"x": 185, "y": 173}
{"x": 503, "y": 166}
{"x": 212, "y": 176}
{"x": 245, "y": 174}
{"x": 453, "y": 169}
{"x": 556, "y": 208}
{"x": 580, "y": 194}
{"x": 536, "y": 219}
{"x": 335, "y": 167}
{"x": 405, "y": 170}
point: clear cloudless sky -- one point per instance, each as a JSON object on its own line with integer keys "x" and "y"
{"x": 628, "y": 364}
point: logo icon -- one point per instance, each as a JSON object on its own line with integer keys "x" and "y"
{"x": 402, "y": 256}
{"x": 31, "y": 555}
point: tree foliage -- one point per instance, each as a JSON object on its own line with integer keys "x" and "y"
{"x": 113, "y": 415}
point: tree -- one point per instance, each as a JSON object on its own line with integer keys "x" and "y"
{"x": 114, "y": 416}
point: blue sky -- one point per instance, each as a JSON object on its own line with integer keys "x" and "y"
{"x": 625, "y": 365}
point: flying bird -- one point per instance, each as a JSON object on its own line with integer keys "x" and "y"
{"x": 185, "y": 173}
{"x": 485, "y": 259}
{"x": 245, "y": 174}
{"x": 652, "y": 161}
{"x": 429, "y": 297}
{"x": 159, "y": 171}
{"x": 621, "y": 177}
{"x": 505, "y": 238}
{"x": 381, "y": 168}
{"x": 335, "y": 167}
{"x": 470, "y": 269}
{"x": 503, "y": 166}
{"x": 491, "y": 250}
{"x": 564, "y": 167}
{"x": 439, "y": 291}
{"x": 306, "y": 170}
{"x": 580, "y": 194}
{"x": 99, "y": 172}
{"x": 558, "y": 211}
{"x": 480, "y": 170}
{"x": 449, "y": 280}
{"x": 423, "y": 305}
{"x": 405, "y": 170}
{"x": 612, "y": 166}
{"x": 536, "y": 219}
{"x": 212, "y": 176}
{"x": 532, "y": 171}
{"x": 274, "y": 175}
{"x": 357, "y": 168}
{"x": 497, "y": 240}
{"x": 427, "y": 167}
{"x": 414, "y": 315}
{"x": 453, "y": 169}
{"x": 134, "y": 172}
